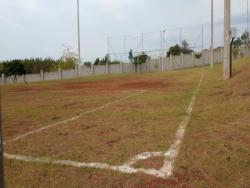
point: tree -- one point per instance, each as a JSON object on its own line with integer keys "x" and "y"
{"x": 14, "y": 69}
{"x": 243, "y": 40}
{"x": 131, "y": 56}
{"x": 68, "y": 59}
{"x": 87, "y": 63}
{"x": 107, "y": 59}
{"x": 185, "y": 48}
{"x": 174, "y": 50}
{"x": 141, "y": 58}
{"x": 178, "y": 50}
{"x": 97, "y": 61}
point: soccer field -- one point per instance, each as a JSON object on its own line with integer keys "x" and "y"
{"x": 132, "y": 130}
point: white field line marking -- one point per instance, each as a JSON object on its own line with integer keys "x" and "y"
{"x": 20, "y": 137}
{"x": 172, "y": 153}
{"x": 165, "y": 172}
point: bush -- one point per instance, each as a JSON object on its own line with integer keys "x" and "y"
{"x": 198, "y": 55}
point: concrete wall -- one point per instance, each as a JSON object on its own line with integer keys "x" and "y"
{"x": 176, "y": 62}
{"x": 115, "y": 68}
{"x": 100, "y": 69}
{"x": 152, "y": 65}
{"x": 68, "y": 74}
{"x": 188, "y": 60}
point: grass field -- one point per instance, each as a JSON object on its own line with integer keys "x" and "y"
{"x": 112, "y": 118}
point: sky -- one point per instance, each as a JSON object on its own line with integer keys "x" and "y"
{"x": 41, "y": 28}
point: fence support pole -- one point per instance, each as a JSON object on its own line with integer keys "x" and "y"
{"x": 121, "y": 66}
{"x": 192, "y": 59}
{"x": 106, "y": 68}
{"x": 162, "y": 65}
{"x": 59, "y": 73}
{"x": 41, "y": 75}
{"x": 3, "y": 79}
{"x": 172, "y": 63}
{"x": 147, "y": 64}
{"x": 182, "y": 61}
{"x": 93, "y": 69}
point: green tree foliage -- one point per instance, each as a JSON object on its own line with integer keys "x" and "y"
{"x": 35, "y": 65}
{"x": 87, "y": 63}
{"x": 68, "y": 59}
{"x": 174, "y": 50}
{"x": 141, "y": 58}
{"x": 198, "y": 55}
{"x": 97, "y": 61}
{"x": 14, "y": 69}
{"x": 105, "y": 60}
{"x": 177, "y": 49}
{"x": 243, "y": 40}
{"x": 131, "y": 56}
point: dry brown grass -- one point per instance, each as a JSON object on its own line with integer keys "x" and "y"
{"x": 215, "y": 152}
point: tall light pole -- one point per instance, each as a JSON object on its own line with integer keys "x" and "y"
{"x": 79, "y": 40}
{"x": 227, "y": 25}
{"x": 163, "y": 43}
{"x": 247, "y": 17}
{"x": 212, "y": 35}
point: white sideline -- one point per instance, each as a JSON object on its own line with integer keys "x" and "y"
{"x": 20, "y": 137}
{"x": 165, "y": 172}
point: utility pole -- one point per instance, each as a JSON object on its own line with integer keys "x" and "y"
{"x": 1, "y": 144}
{"x": 108, "y": 45}
{"x": 79, "y": 42}
{"x": 212, "y": 35}
{"x": 227, "y": 25}
{"x": 163, "y": 43}
{"x": 202, "y": 38}
{"x": 180, "y": 36}
{"x": 142, "y": 42}
{"x": 161, "y": 53}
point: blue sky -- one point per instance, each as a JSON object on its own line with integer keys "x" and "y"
{"x": 38, "y": 28}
